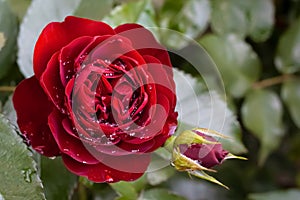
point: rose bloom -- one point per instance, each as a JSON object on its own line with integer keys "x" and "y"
{"x": 101, "y": 98}
{"x": 207, "y": 155}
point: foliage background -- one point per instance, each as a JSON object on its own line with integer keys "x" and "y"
{"x": 255, "y": 44}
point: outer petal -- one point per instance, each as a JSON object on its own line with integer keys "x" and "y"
{"x": 69, "y": 144}
{"x": 56, "y": 35}
{"x": 51, "y": 83}
{"x": 144, "y": 42}
{"x": 132, "y": 166}
{"x": 33, "y": 107}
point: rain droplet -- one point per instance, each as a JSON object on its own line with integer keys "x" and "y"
{"x": 52, "y": 158}
{"x": 84, "y": 162}
{"x": 27, "y": 173}
{"x": 66, "y": 150}
{"x": 108, "y": 178}
{"x": 132, "y": 134}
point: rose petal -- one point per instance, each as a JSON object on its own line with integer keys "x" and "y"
{"x": 68, "y": 55}
{"x": 57, "y": 35}
{"x": 144, "y": 42}
{"x": 70, "y": 145}
{"x": 51, "y": 83}
{"x": 33, "y": 107}
{"x": 131, "y": 168}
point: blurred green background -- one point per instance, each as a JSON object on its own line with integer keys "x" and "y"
{"x": 255, "y": 45}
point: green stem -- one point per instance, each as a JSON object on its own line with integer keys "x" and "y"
{"x": 82, "y": 193}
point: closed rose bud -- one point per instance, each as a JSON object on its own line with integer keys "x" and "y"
{"x": 198, "y": 150}
{"x": 207, "y": 155}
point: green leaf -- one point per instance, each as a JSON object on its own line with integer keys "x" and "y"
{"x": 129, "y": 190}
{"x": 262, "y": 115}
{"x": 39, "y": 14}
{"x": 291, "y": 194}
{"x": 18, "y": 171}
{"x": 125, "y": 190}
{"x": 253, "y": 18}
{"x": 141, "y": 12}
{"x": 162, "y": 194}
{"x": 160, "y": 175}
{"x": 19, "y": 7}
{"x": 9, "y": 111}
{"x": 189, "y": 17}
{"x": 58, "y": 182}
{"x": 8, "y": 37}
{"x": 229, "y": 16}
{"x": 290, "y": 93}
{"x": 209, "y": 110}
{"x": 261, "y": 19}
{"x": 238, "y": 63}
{"x": 94, "y": 9}
{"x": 287, "y": 57}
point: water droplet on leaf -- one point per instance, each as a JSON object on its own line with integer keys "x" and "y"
{"x": 27, "y": 173}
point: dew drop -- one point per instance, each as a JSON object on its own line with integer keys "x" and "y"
{"x": 66, "y": 150}
{"x": 132, "y": 134}
{"x": 108, "y": 178}
{"x": 52, "y": 158}
{"x": 84, "y": 162}
{"x": 135, "y": 150}
{"x": 27, "y": 173}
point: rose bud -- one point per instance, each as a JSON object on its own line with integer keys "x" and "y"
{"x": 197, "y": 150}
{"x": 101, "y": 98}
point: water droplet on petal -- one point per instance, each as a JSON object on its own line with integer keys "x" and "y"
{"x": 108, "y": 178}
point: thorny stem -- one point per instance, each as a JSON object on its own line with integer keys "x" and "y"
{"x": 273, "y": 81}
{"x": 7, "y": 88}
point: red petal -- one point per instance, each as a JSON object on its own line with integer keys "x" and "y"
{"x": 163, "y": 78}
{"x": 113, "y": 169}
{"x": 33, "y": 107}
{"x": 68, "y": 56}
{"x": 69, "y": 144}
{"x": 144, "y": 42}
{"x": 56, "y": 35}
{"x": 51, "y": 83}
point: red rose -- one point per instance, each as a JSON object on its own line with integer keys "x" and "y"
{"x": 101, "y": 98}
{"x": 207, "y": 155}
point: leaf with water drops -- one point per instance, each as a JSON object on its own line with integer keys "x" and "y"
{"x": 18, "y": 171}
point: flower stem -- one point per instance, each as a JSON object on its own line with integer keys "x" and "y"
{"x": 273, "y": 81}
{"x": 7, "y": 88}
